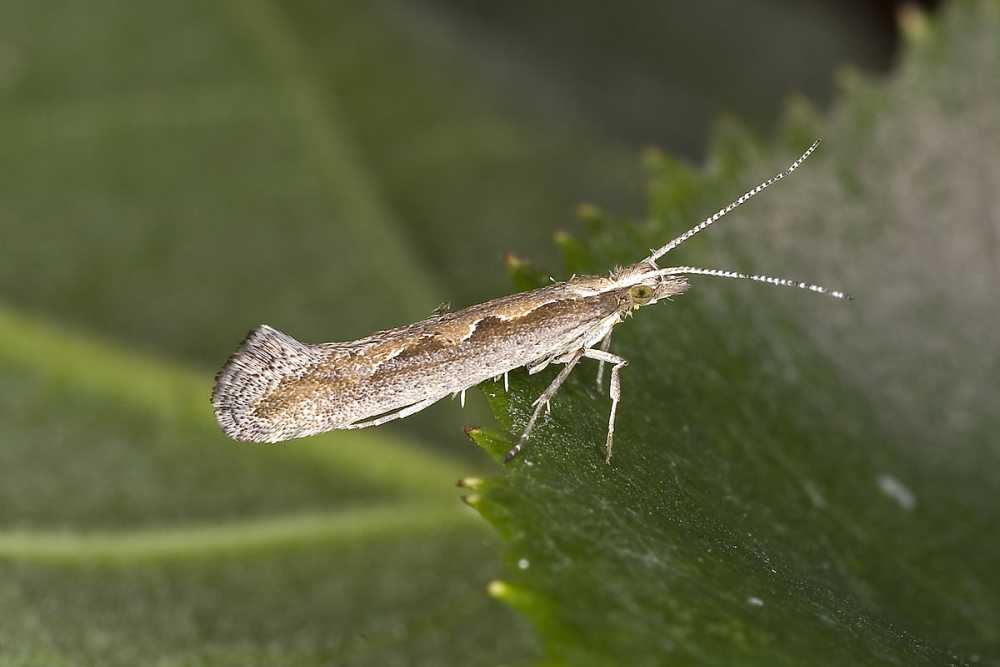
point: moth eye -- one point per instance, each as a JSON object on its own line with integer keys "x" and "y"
{"x": 640, "y": 293}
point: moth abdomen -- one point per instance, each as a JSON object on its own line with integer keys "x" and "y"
{"x": 265, "y": 360}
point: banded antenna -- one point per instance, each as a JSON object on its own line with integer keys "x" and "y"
{"x": 770, "y": 280}
{"x": 707, "y": 222}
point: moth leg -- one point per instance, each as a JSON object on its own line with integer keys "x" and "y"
{"x": 542, "y": 402}
{"x": 398, "y": 414}
{"x": 540, "y": 366}
{"x": 605, "y": 345}
{"x": 616, "y": 389}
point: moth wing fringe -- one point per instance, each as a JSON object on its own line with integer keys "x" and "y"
{"x": 264, "y": 359}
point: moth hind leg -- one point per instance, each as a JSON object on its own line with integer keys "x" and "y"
{"x": 542, "y": 402}
{"x": 605, "y": 346}
{"x": 405, "y": 411}
{"x": 616, "y": 389}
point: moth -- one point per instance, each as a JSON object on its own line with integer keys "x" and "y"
{"x": 276, "y": 388}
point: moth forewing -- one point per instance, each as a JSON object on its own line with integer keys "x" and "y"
{"x": 276, "y": 388}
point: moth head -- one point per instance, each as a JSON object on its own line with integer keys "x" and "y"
{"x": 652, "y": 289}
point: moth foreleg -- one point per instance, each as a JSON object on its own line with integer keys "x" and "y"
{"x": 542, "y": 402}
{"x": 616, "y": 388}
{"x": 605, "y": 345}
{"x": 398, "y": 414}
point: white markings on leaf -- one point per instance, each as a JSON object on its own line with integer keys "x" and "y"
{"x": 896, "y": 490}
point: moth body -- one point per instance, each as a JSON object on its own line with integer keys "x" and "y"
{"x": 276, "y": 388}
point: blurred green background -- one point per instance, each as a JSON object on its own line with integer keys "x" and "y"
{"x": 177, "y": 173}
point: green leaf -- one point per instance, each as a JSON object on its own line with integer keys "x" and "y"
{"x": 335, "y": 599}
{"x": 175, "y": 174}
{"x": 145, "y": 424}
{"x": 795, "y": 480}
{"x": 133, "y": 532}
{"x": 225, "y": 167}
{"x": 261, "y": 176}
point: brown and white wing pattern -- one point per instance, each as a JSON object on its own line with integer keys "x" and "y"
{"x": 276, "y": 388}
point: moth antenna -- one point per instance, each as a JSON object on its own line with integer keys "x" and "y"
{"x": 770, "y": 280}
{"x": 749, "y": 194}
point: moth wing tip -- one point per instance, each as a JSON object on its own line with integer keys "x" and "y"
{"x": 263, "y": 360}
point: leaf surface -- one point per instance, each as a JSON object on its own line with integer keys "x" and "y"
{"x": 795, "y": 480}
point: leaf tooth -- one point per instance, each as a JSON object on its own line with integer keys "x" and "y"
{"x": 914, "y": 23}
{"x": 524, "y": 600}
{"x": 493, "y": 442}
{"x": 471, "y": 483}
